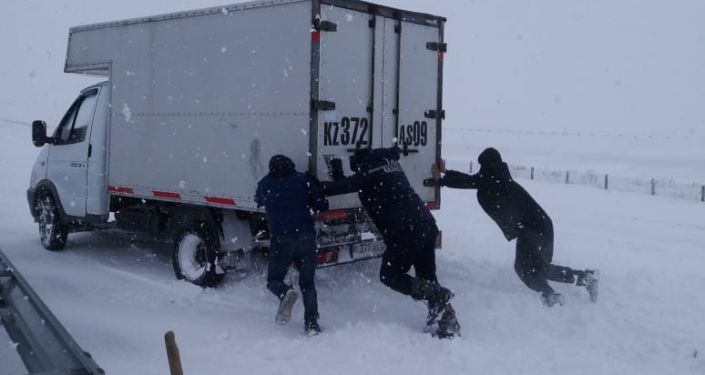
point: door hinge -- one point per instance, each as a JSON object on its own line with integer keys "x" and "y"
{"x": 322, "y": 105}
{"x": 434, "y": 46}
{"x": 433, "y": 114}
{"x": 319, "y": 25}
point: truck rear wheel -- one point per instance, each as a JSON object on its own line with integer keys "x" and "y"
{"x": 52, "y": 232}
{"x": 195, "y": 256}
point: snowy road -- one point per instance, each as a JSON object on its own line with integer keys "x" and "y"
{"x": 118, "y": 297}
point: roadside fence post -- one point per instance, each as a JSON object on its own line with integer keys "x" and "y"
{"x": 567, "y": 177}
{"x": 607, "y": 179}
{"x": 653, "y": 186}
{"x": 172, "y": 353}
{"x": 532, "y": 173}
{"x": 702, "y": 193}
{"x": 470, "y": 167}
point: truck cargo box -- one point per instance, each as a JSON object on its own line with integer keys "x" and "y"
{"x": 200, "y": 100}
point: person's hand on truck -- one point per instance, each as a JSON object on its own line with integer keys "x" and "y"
{"x": 336, "y": 169}
{"x": 437, "y": 169}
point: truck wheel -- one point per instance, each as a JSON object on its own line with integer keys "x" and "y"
{"x": 195, "y": 255}
{"x": 52, "y": 232}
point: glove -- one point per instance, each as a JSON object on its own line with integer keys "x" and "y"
{"x": 430, "y": 182}
{"x": 313, "y": 179}
{"x": 336, "y": 169}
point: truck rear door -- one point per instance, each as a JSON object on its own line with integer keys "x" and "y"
{"x": 380, "y": 84}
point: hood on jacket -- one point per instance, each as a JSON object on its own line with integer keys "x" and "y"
{"x": 280, "y": 165}
{"x": 490, "y": 158}
{"x": 492, "y": 166}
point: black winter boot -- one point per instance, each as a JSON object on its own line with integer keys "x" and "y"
{"x": 448, "y": 326}
{"x": 435, "y": 296}
{"x": 551, "y": 298}
{"x": 311, "y": 327}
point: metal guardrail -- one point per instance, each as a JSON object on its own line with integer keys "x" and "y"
{"x": 42, "y": 343}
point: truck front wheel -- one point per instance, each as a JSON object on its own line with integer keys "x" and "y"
{"x": 195, "y": 256}
{"x": 52, "y": 232}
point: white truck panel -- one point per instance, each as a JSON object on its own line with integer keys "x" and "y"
{"x": 173, "y": 126}
{"x": 97, "y": 179}
{"x": 418, "y": 93}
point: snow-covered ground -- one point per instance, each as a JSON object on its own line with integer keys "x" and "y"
{"x": 118, "y": 296}
{"x": 627, "y": 76}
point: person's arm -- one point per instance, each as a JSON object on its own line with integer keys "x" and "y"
{"x": 316, "y": 200}
{"x": 340, "y": 186}
{"x": 452, "y": 179}
{"x": 459, "y": 180}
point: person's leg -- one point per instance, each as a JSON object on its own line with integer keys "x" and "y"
{"x": 396, "y": 263}
{"x": 555, "y": 272}
{"x": 280, "y": 258}
{"x": 425, "y": 261}
{"x": 529, "y": 263}
{"x": 306, "y": 260}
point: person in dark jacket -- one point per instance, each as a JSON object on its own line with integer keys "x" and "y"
{"x": 407, "y": 226}
{"x": 288, "y": 198}
{"x": 519, "y": 216}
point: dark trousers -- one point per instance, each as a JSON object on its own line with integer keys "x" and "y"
{"x": 534, "y": 254}
{"x": 300, "y": 250}
{"x": 411, "y": 246}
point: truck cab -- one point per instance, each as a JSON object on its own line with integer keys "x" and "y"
{"x": 68, "y": 185}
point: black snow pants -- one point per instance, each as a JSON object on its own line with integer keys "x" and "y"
{"x": 415, "y": 246}
{"x": 300, "y": 250}
{"x": 534, "y": 254}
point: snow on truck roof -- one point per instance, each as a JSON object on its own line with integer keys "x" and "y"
{"x": 362, "y": 6}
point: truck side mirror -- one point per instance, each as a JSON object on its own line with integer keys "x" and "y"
{"x": 39, "y": 133}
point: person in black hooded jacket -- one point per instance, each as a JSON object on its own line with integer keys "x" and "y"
{"x": 407, "y": 226}
{"x": 288, "y": 198}
{"x": 519, "y": 217}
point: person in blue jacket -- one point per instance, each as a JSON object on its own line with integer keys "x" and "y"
{"x": 288, "y": 198}
{"x": 406, "y": 224}
{"x": 519, "y": 217}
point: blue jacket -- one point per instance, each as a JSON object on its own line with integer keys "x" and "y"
{"x": 384, "y": 191}
{"x": 288, "y": 198}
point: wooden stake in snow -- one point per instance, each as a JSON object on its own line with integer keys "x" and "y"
{"x": 172, "y": 354}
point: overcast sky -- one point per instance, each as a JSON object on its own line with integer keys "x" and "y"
{"x": 607, "y": 66}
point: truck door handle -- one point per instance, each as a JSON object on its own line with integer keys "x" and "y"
{"x": 90, "y": 150}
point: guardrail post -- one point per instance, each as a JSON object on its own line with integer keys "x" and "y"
{"x": 607, "y": 179}
{"x": 653, "y": 186}
{"x": 532, "y": 173}
{"x": 567, "y": 177}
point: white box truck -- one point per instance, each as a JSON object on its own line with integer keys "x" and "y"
{"x": 195, "y": 103}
